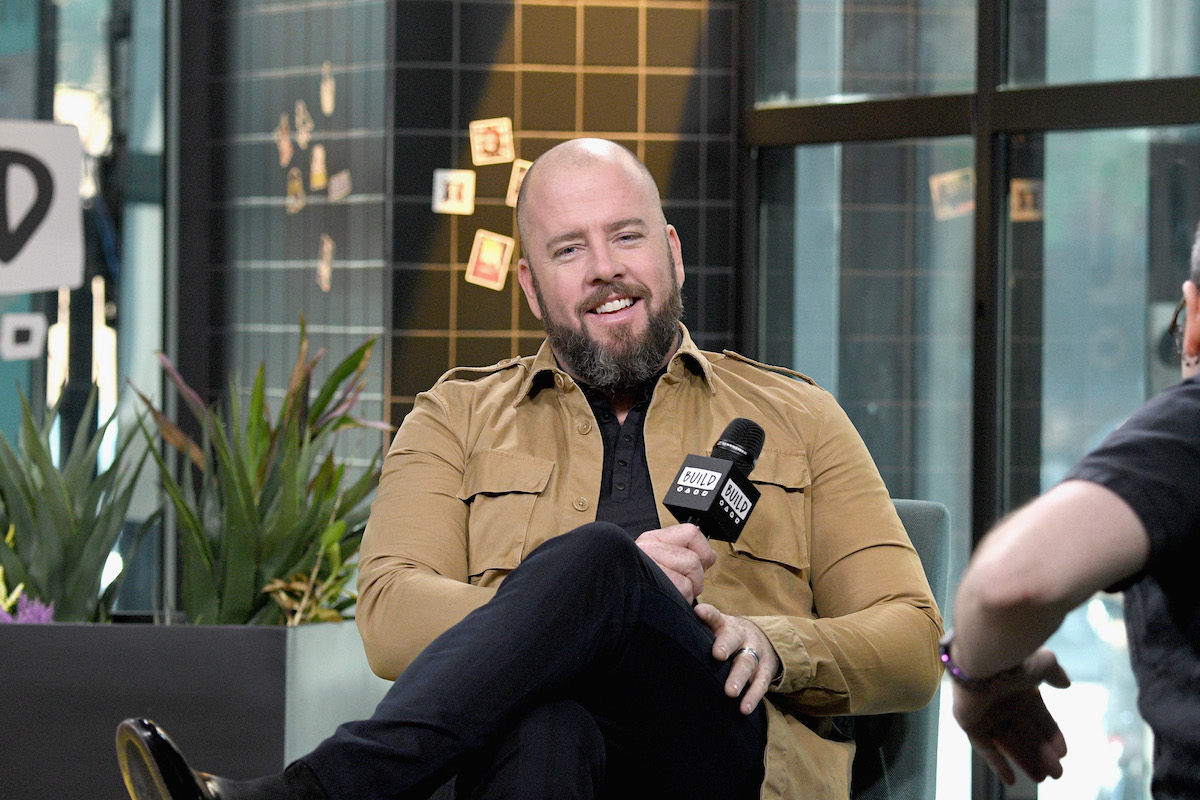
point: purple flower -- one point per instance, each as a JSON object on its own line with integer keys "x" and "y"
{"x": 33, "y": 612}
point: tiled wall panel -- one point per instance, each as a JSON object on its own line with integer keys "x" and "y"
{"x": 409, "y": 76}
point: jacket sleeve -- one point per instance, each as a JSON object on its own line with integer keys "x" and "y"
{"x": 871, "y": 644}
{"x": 412, "y": 576}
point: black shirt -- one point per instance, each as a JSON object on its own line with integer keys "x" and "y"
{"x": 1152, "y": 462}
{"x": 626, "y": 494}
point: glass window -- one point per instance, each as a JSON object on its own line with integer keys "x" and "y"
{"x": 1079, "y": 41}
{"x": 1099, "y": 243}
{"x": 840, "y": 49}
{"x": 866, "y": 285}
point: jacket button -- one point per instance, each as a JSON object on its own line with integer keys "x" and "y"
{"x": 581, "y": 504}
{"x": 584, "y": 427}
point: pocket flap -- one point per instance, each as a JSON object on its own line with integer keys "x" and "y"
{"x": 784, "y": 468}
{"x": 777, "y": 528}
{"x": 503, "y": 472}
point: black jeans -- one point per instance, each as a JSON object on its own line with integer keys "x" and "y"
{"x": 588, "y": 668}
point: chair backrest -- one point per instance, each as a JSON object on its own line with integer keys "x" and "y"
{"x": 897, "y": 753}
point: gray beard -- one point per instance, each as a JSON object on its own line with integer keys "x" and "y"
{"x": 630, "y": 362}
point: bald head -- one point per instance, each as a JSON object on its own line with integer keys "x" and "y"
{"x": 578, "y": 154}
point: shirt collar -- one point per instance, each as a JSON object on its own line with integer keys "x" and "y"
{"x": 545, "y": 372}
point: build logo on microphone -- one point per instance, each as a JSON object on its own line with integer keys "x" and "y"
{"x": 734, "y": 502}
{"x": 694, "y": 480}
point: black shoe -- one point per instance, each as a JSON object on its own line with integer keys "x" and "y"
{"x": 154, "y": 769}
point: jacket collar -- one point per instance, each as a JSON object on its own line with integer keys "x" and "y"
{"x": 545, "y": 372}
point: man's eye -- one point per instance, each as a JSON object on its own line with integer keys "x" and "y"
{"x": 565, "y": 251}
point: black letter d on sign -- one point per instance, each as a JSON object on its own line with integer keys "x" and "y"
{"x": 11, "y": 241}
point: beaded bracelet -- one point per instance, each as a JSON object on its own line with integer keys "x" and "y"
{"x": 956, "y": 672}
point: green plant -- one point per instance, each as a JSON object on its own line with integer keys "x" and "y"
{"x": 273, "y": 505}
{"x": 62, "y": 524}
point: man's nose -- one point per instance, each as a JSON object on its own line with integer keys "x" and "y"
{"x": 604, "y": 266}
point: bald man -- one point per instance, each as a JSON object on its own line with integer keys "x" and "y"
{"x": 552, "y": 631}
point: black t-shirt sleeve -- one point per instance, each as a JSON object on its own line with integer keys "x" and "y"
{"x": 1152, "y": 461}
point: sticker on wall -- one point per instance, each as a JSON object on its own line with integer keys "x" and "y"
{"x": 325, "y": 263}
{"x": 490, "y": 255}
{"x": 519, "y": 168}
{"x": 339, "y": 185}
{"x": 953, "y": 193}
{"x": 454, "y": 191}
{"x": 304, "y": 125}
{"x": 317, "y": 177}
{"x": 283, "y": 140}
{"x": 1024, "y": 200}
{"x": 492, "y": 141}
{"x": 22, "y": 336}
{"x": 328, "y": 89}
{"x": 296, "y": 199}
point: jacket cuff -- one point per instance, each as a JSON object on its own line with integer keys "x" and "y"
{"x": 795, "y": 671}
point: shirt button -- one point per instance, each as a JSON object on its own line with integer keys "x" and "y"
{"x": 620, "y": 487}
{"x": 627, "y": 437}
{"x": 584, "y": 427}
{"x": 621, "y": 461}
{"x": 581, "y": 504}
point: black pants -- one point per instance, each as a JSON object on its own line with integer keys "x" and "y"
{"x": 587, "y": 675}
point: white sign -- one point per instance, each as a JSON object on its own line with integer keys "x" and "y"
{"x": 22, "y": 336}
{"x": 41, "y": 222}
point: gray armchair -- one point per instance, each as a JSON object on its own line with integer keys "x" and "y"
{"x": 897, "y": 753}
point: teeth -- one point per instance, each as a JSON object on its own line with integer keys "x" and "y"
{"x": 614, "y": 305}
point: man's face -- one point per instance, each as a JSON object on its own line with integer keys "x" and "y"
{"x": 602, "y": 271}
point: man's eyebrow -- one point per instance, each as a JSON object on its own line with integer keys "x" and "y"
{"x": 554, "y": 241}
{"x": 629, "y": 222}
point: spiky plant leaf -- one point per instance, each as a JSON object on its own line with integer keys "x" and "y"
{"x": 257, "y": 507}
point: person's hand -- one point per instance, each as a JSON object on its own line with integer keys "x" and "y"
{"x": 749, "y": 677}
{"x": 1006, "y": 719}
{"x": 683, "y": 553}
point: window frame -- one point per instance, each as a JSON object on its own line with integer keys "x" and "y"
{"x": 991, "y": 114}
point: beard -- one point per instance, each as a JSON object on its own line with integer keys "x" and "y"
{"x": 632, "y": 359}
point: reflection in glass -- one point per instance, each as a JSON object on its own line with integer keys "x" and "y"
{"x": 1095, "y": 271}
{"x": 866, "y": 270}
{"x": 841, "y": 49}
{"x": 1080, "y": 41}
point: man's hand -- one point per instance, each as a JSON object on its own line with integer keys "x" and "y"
{"x": 683, "y": 553}
{"x": 734, "y": 634}
{"x": 1006, "y": 719}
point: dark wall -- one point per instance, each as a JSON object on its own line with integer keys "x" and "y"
{"x": 410, "y": 77}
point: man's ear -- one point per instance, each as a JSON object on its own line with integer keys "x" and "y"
{"x": 1191, "y": 319}
{"x": 525, "y": 276}
{"x": 676, "y": 251}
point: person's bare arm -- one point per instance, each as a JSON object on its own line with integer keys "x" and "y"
{"x": 1028, "y": 573}
{"x": 1038, "y": 564}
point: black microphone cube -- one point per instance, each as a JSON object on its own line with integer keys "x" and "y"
{"x": 713, "y": 494}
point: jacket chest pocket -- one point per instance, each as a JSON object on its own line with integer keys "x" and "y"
{"x": 778, "y": 528}
{"x": 501, "y": 489}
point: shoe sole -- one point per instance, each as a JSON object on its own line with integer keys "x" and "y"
{"x": 142, "y": 753}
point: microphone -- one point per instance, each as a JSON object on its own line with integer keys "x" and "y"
{"x": 714, "y": 492}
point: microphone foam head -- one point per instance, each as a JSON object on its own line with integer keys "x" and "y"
{"x": 741, "y": 443}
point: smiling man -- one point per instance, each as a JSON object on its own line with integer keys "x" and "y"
{"x": 552, "y": 632}
{"x": 612, "y": 266}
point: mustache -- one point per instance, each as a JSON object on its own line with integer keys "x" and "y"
{"x": 605, "y": 291}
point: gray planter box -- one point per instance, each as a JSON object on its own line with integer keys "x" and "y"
{"x": 240, "y": 701}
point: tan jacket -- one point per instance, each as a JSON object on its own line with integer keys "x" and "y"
{"x": 492, "y": 462}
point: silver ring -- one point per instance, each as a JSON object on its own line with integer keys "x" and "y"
{"x": 750, "y": 651}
